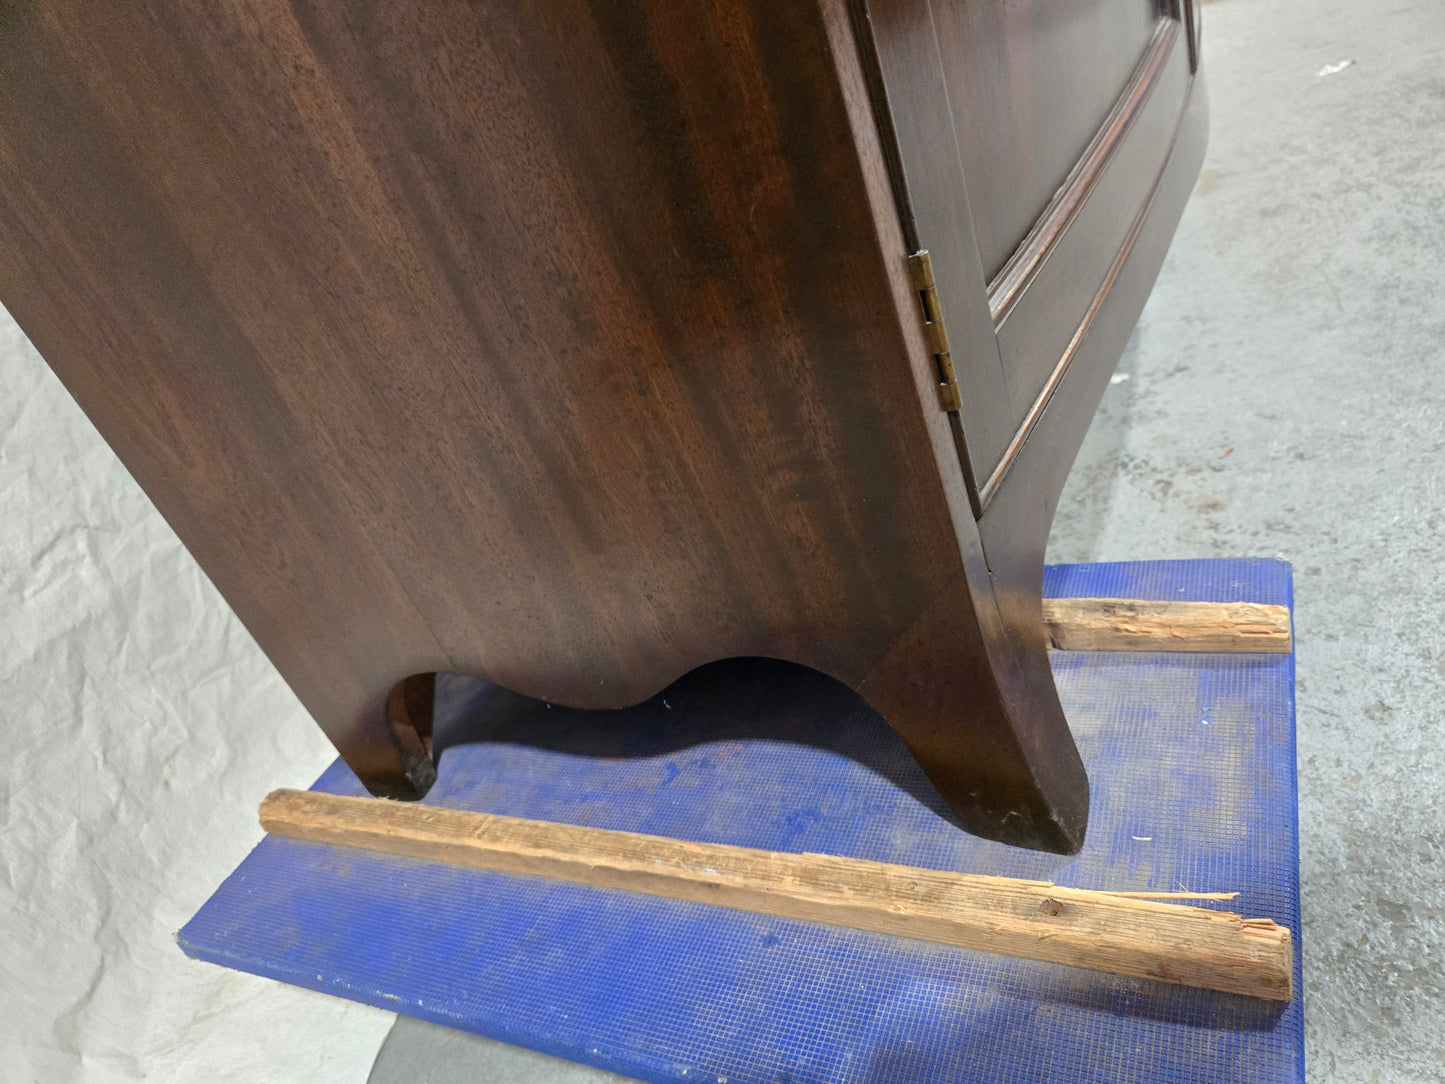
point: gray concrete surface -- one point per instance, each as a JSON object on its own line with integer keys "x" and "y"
{"x": 1300, "y": 321}
{"x": 416, "y": 1052}
{"x": 1285, "y": 395}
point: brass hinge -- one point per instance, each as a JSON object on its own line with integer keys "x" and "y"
{"x": 920, "y": 269}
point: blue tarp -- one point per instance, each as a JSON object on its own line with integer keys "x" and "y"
{"x": 1192, "y": 766}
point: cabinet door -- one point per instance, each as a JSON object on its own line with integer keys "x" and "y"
{"x": 1031, "y": 138}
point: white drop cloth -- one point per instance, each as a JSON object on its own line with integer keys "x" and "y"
{"x": 141, "y": 728}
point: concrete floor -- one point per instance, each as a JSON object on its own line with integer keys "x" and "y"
{"x": 1300, "y": 321}
{"x": 1284, "y": 395}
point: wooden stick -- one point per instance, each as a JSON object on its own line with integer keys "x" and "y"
{"x": 1119, "y": 624}
{"x": 1033, "y": 919}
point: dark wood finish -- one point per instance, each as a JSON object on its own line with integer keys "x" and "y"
{"x": 1059, "y": 267}
{"x": 912, "y": 93}
{"x": 1030, "y": 83}
{"x": 572, "y": 345}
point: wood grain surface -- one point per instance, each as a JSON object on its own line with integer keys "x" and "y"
{"x": 1119, "y": 933}
{"x": 571, "y": 345}
{"x": 1030, "y": 86}
{"x": 1117, "y": 624}
{"x": 438, "y": 361}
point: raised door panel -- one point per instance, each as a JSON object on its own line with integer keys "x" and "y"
{"x": 1030, "y": 82}
{"x": 1031, "y": 137}
{"x": 1043, "y": 299}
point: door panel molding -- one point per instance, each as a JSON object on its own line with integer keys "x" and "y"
{"x": 991, "y": 485}
{"x": 1015, "y": 277}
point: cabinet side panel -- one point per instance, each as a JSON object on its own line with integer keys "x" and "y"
{"x": 546, "y": 342}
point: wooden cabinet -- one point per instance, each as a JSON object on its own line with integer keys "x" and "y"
{"x": 573, "y": 345}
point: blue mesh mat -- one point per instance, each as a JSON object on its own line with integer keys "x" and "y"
{"x": 1192, "y": 764}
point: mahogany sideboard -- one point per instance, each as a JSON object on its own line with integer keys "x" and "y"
{"x": 574, "y": 344}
